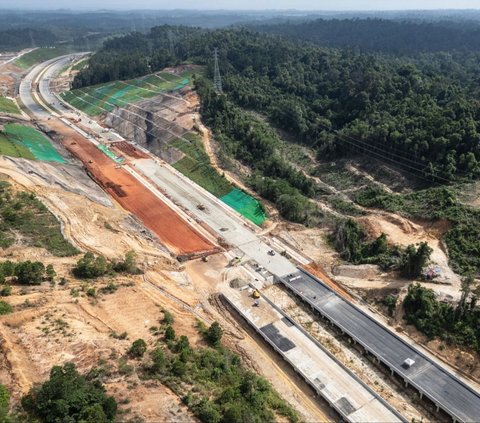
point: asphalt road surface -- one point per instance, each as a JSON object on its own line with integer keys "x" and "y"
{"x": 442, "y": 387}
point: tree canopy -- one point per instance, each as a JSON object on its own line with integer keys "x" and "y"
{"x": 398, "y": 37}
{"x": 419, "y": 113}
{"x": 68, "y": 397}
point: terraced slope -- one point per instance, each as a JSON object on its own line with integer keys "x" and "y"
{"x": 98, "y": 99}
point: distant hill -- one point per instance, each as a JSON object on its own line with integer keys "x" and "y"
{"x": 16, "y": 39}
{"x": 397, "y": 37}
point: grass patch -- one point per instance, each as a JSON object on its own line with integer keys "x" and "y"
{"x": 8, "y": 106}
{"x": 345, "y": 207}
{"x": 11, "y": 147}
{"x": 23, "y": 213}
{"x": 40, "y": 55}
{"x": 5, "y": 308}
{"x": 196, "y": 166}
{"x": 337, "y": 176}
{"x": 39, "y": 146}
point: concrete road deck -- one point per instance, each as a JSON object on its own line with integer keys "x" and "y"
{"x": 428, "y": 377}
{"x": 349, "y": 396}
{"x": 223, "y": 220}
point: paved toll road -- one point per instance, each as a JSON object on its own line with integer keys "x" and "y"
{"x": 432, "y": 380}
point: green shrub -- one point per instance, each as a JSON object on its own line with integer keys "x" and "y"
{"x": 6, "y": 291}
{"x": 5, "y": 307}
{"x": 457, "y": 324}
{"x": 128, "y": 264}
{"x": 4, "y": 404}
{"x": 50, "y": 273}
{"x": 138, "y": 348}
{"x": 167, "y": 318}
{"x": 69, "y": 397}
{"x": 178, "y": 368}
{"x": 91, "y": 292}
{"x": 390, "y": 302}
{"x": 91, "y": 266}
{"x": 214, "y": 334}
{"x": 169, "y": 333}
{"x": 158, "y": 360}
{"x": 29, "y": 273}
{"x": 414, "y": 260}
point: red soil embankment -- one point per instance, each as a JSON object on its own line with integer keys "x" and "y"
{"x": 128, "y": 149}
{"x": 173, "y": 231}
{"x": 316, "y": 270}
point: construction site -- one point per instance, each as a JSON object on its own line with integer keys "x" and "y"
{"x": 133, "y": 168}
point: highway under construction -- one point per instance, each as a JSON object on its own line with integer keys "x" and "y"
{"x": 352, "y": 400}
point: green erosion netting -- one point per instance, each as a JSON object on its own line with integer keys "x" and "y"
{"x": 100, "y": 98}
{"x": 246, "y": 205}
{"x": 109, "y": 153}
{"x": 196, "y": 166}
{"x": 34, "y": 141}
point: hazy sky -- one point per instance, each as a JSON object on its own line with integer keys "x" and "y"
{"x": 245, "y": 4}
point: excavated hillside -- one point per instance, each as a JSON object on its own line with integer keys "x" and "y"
{"x": 154, "y": 123}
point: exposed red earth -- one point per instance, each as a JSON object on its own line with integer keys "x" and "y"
{"x": 173, "y": 231}
{"x": 124, "y": 148}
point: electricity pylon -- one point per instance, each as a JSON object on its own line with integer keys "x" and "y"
{"x": 217, "y": 79}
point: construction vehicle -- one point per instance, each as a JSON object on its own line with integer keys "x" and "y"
{"x": 234, "y": 261}
{"x": 255, "y": 294}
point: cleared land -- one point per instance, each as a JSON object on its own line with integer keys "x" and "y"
{"x": 8, "y": 106}
{"x": 128, "y": 149}
{"x": 173, "y": 231}
{"x": 190, "y": 158}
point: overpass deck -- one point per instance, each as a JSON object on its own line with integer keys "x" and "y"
{"x": 443, "y": 388}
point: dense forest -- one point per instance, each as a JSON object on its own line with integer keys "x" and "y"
{"x": 17, "y": 39}
{"x": 420, "y": 114}
{"x": 454, "y": 324}
{"x": 393, "y": 37}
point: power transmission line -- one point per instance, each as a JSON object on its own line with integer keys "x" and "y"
{"x": 419, "y": 172}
